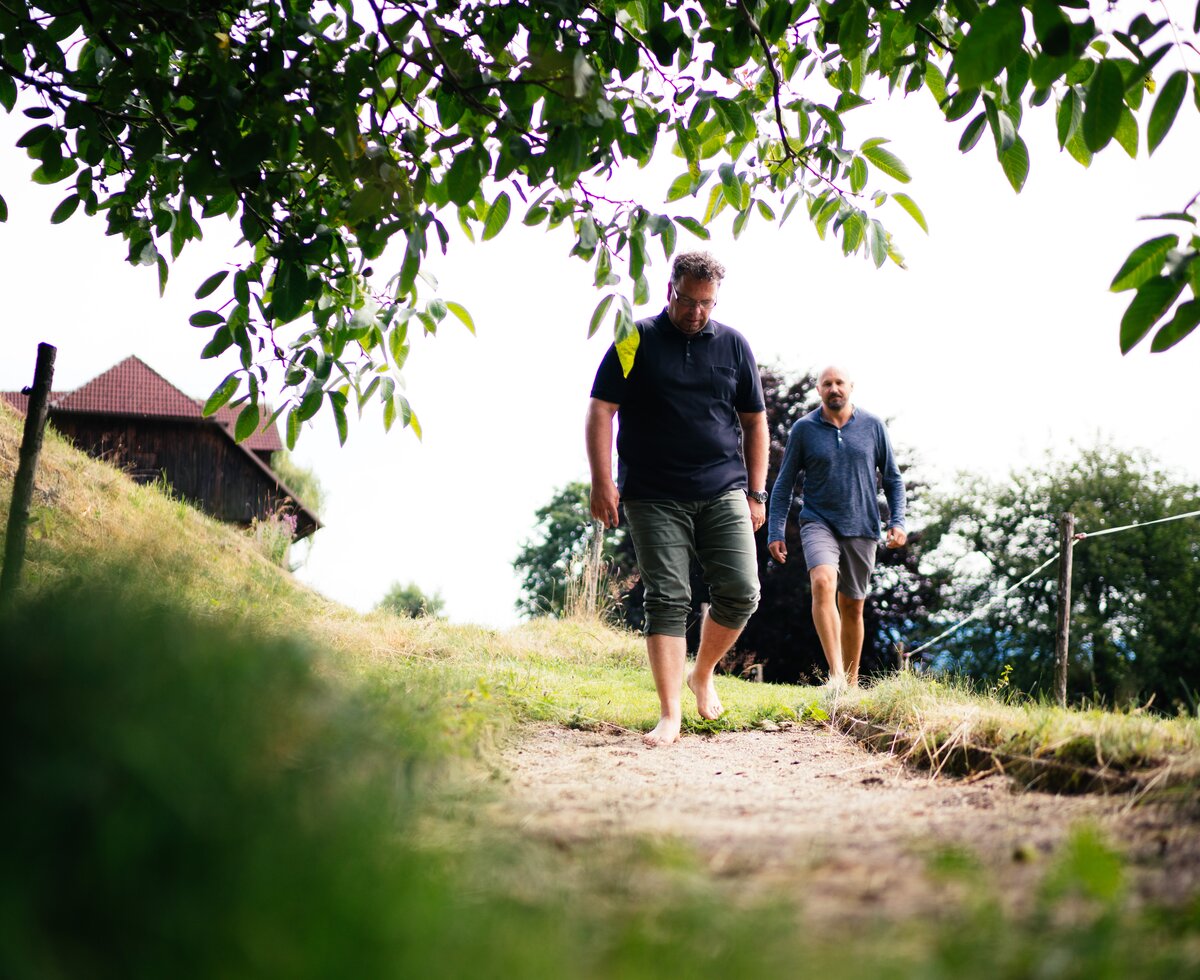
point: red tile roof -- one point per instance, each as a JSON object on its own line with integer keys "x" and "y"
{"x": 134, "y": 388}
{"x": 16, "y": 400}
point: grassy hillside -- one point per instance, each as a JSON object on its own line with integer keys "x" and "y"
{"x": 211, "y": 770}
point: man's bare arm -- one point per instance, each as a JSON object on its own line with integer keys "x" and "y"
{"x": 599, "y": 436}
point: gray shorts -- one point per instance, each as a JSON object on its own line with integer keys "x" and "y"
{"x": 854, "y": 558}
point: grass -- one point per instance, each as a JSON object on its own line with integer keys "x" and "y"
{"x": 211, "y": 770}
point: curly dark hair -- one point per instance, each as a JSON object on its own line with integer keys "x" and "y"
{"x": 696, "y": 265}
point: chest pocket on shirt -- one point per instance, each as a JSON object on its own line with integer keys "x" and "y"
{"x": 724, "y": 382}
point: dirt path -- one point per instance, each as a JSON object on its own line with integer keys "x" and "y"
{"x": 765, "y": 809}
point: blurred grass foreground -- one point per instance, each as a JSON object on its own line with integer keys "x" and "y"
{"x": 210, "y": 771}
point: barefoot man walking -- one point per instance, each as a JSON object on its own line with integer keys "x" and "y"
{"x": 692, "y": 470}
{"x": 835, "y": 452}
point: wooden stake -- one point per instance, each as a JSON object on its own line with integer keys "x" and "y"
{"x": 1066, "y": 548}
{"x": 22, "y": 495}
{"x": 591, "y": 594}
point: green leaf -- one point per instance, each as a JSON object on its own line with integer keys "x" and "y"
{"x": 206, "y": 318}
{"x": 1003, "y": 130}
{"x": 1127, "y": 133}
{"x": 221, "y": 394}
{"x": 935, "y": 81}
{"x": 888, "y": 162}
{"x": 852, "y": 233}
{"x": 247, "y": 423}
{"x": 680, "y": 187}
{"x": 600, "y": 313}
{"x": 589, "y": 238}
{"x": 1015, "y": 163}
{"x": 1151, "y": 301}
{"x": 289, "y": 291}
{"x": 877, "y": 241}
{"x": 497, "y": 216}
{"x": 972, "y": 133}
{"x": 1187, "y": 316}
{"x": 739, "y": 222}
{"x": 460, "y": 311}
{"x": 222, "y": 340}
{"x": 1144, "y": 262}
{"x": 993, "y": 43}
{"x": 337, "y": 402}
{"x": 3, "y": 208}
{"x": 1069, "y": 116}
{"x": 694, "y": 226}
{"x": 731, "y": 185}
{"x": 1166, "y": 108}
{"x": 65, "y": 209}
{"x": 1102, "y": 113}
{"x": 292, "y": 429}
{"x": 628, "y": 338}
{"x": 641, "y": 290}
{"x": 789, "y": 207}
{"x": 209, "y": 286}
{"x": 852, "y": 31}
{"x": 310, "y": 404}
{"x": 910, "y": 206}
{"x": 858, "y": 174}
{"x": 1078, "y": 149}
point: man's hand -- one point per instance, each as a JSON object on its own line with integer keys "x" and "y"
{"x": 758, "y": 513}
{"x": 896, "y": 537}
{"x": 604, "y": 501}
{"x": 778, "y": 551}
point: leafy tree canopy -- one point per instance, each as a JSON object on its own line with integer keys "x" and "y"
{"x": 331, "y": 130}
{"x": 1135, "y": 598}
{"x": 411, "y": 602}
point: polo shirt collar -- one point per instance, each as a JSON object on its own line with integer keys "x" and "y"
{"x": 709, "y": 330}
{"x": 819, "y": 413}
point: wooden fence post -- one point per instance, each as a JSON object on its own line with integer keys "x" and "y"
{"x": 22, "y": 494}
{"x": 591, "y": 593}
{"x": 1066, "y": 548}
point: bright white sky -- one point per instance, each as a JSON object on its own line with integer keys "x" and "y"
{"x": 998, "y": 343}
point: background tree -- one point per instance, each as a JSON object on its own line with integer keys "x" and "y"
{"x": 302, "y": 479}
{"x": 411, "y": 602}
{"x": 331, "y": 131}
{"x": 551, "y": 560}
{"x": 1135, "y": 611}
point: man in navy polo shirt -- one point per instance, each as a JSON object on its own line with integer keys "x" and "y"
{"x": 692, "y": 471}
{"x": 838, "y": 448}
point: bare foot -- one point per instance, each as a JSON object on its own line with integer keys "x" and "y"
{"x": 666, "y": 732}
{"x": 708, "y": 704}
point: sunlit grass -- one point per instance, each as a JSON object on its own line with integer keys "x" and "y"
{"x": 270, "y": 784}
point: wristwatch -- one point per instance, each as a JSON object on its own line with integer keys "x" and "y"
{"x": 759, "y": 495}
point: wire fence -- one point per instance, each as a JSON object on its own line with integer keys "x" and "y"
{"x": 1077, "y": 537}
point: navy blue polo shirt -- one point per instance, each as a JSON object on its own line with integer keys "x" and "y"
{"x": 678, "y": 432}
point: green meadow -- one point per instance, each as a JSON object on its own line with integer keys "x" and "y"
{"x": 212, "y": 771}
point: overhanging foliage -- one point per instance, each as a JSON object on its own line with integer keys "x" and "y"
{"x": 331, "y": 131}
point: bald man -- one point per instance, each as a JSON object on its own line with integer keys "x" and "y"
{"x": 836, "y": 450}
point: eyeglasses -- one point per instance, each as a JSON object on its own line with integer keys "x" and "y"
{"x": 690, "y": 304}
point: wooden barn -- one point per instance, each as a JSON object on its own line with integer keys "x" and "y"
{"x": 134, "y": 418}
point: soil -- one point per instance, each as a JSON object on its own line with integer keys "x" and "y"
{"x": 809, "y": 808}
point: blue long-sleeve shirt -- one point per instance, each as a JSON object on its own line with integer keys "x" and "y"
{"x": 837, "y": 467}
